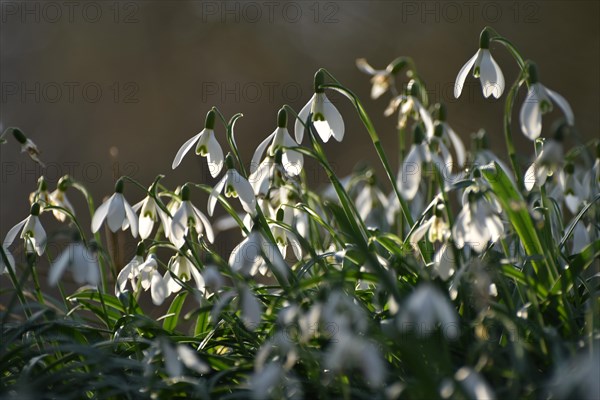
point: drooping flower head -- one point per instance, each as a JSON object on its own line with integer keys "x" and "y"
{"x": 187, "y": 217}
{"x": 80, "y": 259}
{"x": 411, "y": 170}
{"x": 326, "y": 119}
{"x": 27, "y": 146}
{"x": 485, "y": 68}
{"x": 117, "y": 212}
{"x": 32, "y": 232}
{"x": 58, "y": 198}
{"x": 233, "y": 185}
{"x": 207, "y": 146}
{"x": 539, "y": 101}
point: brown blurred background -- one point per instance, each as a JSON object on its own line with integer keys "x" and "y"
{"x": 82, "y": 77}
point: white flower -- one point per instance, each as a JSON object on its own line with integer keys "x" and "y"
{"x": 82, "y": 261}
{"x": 409, "y": 176}
{"x": 31, "y": 230}
{"x": 382, "y": 79}
{"x": 251, "y": 308}
{"x": 425, "y": 309}
{"x": 149, "y": 214}
{"x": 326, "y": 119}
{"x": 484, "y": 68}
{"x": 185, "y": 270}
{"x": 188, "y": 216}
{"x": 207, "y": 146}
{"x": 291, "y": 160}
{"x": 27, "y": 146}
{"x": 352, "y": 351}
{"x": 262, "y": 177}
{"x": 449, "y": 136}
{"x": 436, "y": 228}
{"x": 247, "y": 257}
{"x": 546, "y": 163}
{"x": 283, "y": 236}
{"x": 235, "y": 185}
{"x": 151, "y": 279}
{"x": 474, "y": 384}
{"x": 477, "y": 224}
{"x": 410, "y": 106}
{"x": 444, "y": 262}
{"x": 130, "y": 272}
{"x": 539, "y": 101}
{"x": 117, "y": 212}
{"x": 58, "y": 198}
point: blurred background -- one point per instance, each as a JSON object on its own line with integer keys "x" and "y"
{"x": 111, "y": 88}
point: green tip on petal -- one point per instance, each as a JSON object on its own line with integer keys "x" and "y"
{"x": 484, "y": 39}
{"x": 35, "y": 209}
{"x": 229, "y": 163}
{"x": 532, "y": 73}
{"x": 210, "y": 120}
{"x": 119, "y": 186}
{"x": 282, "y": 118}
{"x": 20, "y": 136}
{"x": 185, "y": 193}
{"x": 319, "y": 80}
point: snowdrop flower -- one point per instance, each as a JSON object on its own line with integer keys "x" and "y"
{"x": 573, "y": 192}
{"x": 27, "y": 146}
{"x": 251, "y": 308}
{"x": 234, "y": 185}
{"x": 409, "y": 176}
{"x": 474, "y": 384}
{"x": 151, "y": 279}
{"x": 539, "y": 101}
{"x": 436, "y": 228}
{"x": 32, "y": 232}
{"x": 82, "y": 261}
{"x": 484, "y": 68}
{"x": 149, "y": 214}
{"x": 371, "y": 203}
{"x": 262, "y": 178}
{"x": 117, "y": 212}
{"x": 40, "y": 195}
{"x": 291, "y": 160}
{"x": 591, "y": 180}
{"x": 351, "y": 351}
{"x": 382, "y": 79}
{"x": 185, "y": 270}
{"x": 248, "y": 259}
{"x": 186, "y": 217}
{"x": 545, "y": 164}
{"x": 283, "y": 236}
{"x": 131, "y": 271}
{"x": 410, "y": 106}
{"x": 424, "y": 309}
{"x": 326, "y": 119}
{"x": 58, "y": 198}
{"x": 477, "y": 223}
{"x": 207, "y": 147}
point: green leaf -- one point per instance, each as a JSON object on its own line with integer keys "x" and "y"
{"x": 171, "y": 320}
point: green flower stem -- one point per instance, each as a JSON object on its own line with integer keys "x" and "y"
{"x": 18, "y": 288}
{"x": 496, "y": 37}
{"x": 512, "y": 154}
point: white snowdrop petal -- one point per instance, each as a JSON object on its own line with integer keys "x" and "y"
{"x": 184, "y": 149}
{"x": 58, "y": 267}
{"x": 462, "y": 75}
{"x": 131, "y": 217}
{"x": 334, "y": 118}
{"x": 214, "y": 195}
{"x": 563, "y": 104}
{"x": 492, "y": 80}
{"x": 530, "y": 115}
{"x": 10, "y": 236}
{"x": 245, "y": 193}
{"x": 158, "y": 289}
{"x": 100, "y": 215}
{"x": 116, "y": 212}
{"x": 260, "y": 150}
{"x": 302, "y": 119}
{"x": 215, "y": 156}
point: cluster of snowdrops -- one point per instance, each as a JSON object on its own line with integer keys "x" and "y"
{"x": 472, "y": 278}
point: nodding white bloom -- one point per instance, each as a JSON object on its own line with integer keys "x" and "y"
{"x": 283, "y": 236}
{"x": 151, "y": 279}
{"x": 27, "y": 146}
{"x": 117, "y": 212}
{"x": 207, "y": 146}
{"x": 149, "y": 214}
{"x": 131, "y": 271}
{"x": 32, "y": 232}
{"x": 591, "y": 180}
{"x": 186, "y": 217}
{"x": 444, "y": 262}
{"x": 425, "y": 309}
{"x": 58, "y": 198}
{"x": 185, "y": 270}
{"x": 410, "y": 106}
{"x": 537, "y": 102}
{"x": 291, "y": 160}
{"x": 409, "y": 175}
{"x": 40, "y": 195}
{"x": 352, "y": 351}
{"x": 477, "y": 223}
{"x": 546, "y": 163}
{"x": 570, "y": 189}
{"x": 261, "y": 179}
{"x": 436, "y": 227}
{"x": 234, "y": 185}
{"x": 248, "y": 257}
{"x": 382, "y": 79}
{"x": 372, "y": 203}
{"x": 327, "y": 120}
{"x": 82, "y": 261}
{"x": 485, "y": 68}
